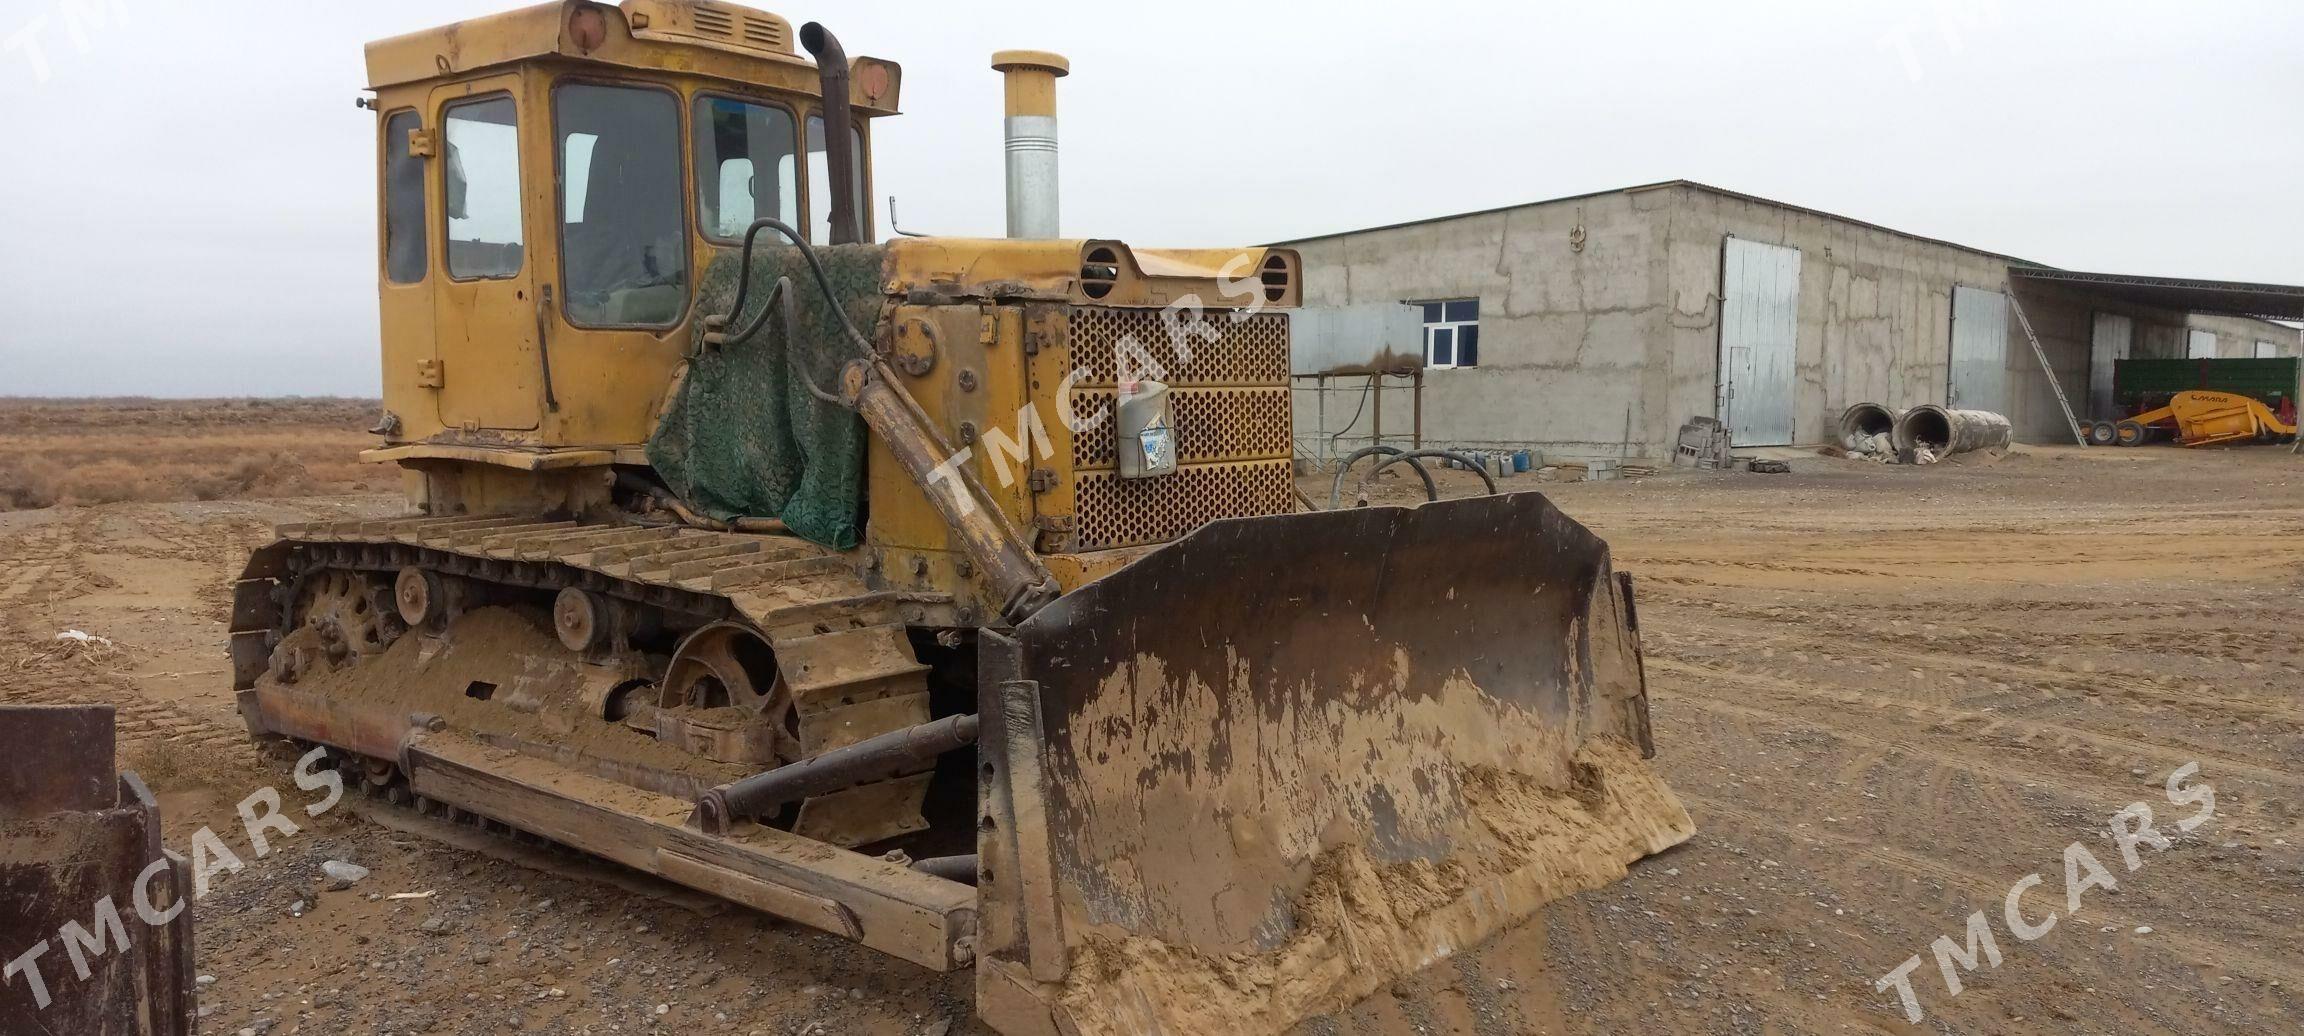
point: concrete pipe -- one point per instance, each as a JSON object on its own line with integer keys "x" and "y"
{"x": 1864, "y": 421}
{"x": 1945, "y": 432}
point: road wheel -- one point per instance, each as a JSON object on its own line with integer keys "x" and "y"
{"x": 2129, "y": 433}
{"x": 418, "y": 595}
{"x": 2103, "y": 433}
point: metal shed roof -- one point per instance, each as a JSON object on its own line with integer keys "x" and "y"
{"x": 2236, "y": 298}
{"x": 1661, "y": 185}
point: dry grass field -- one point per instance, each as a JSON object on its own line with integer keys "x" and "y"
{"x": 101, "y": 451}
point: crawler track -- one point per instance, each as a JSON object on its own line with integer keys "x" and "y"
{"x": 693, "y": 623}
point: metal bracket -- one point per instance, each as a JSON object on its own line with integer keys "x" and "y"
{"x": 914, "y": 346}
{"x": 431, "y": 374}
{"x": 1054, "y": 533}
{"x": 422, "y": 144}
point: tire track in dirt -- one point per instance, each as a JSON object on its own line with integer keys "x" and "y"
{"x": 1982, "y": 723}
{"x": 1689, "y": 943}
{"x": 1977, "y": 811}
{"x": 141, "y": 720}
{"x": 41, "y": 565}
{"x": 1895, "y": 645}
{"x": 1987, "y": 890}
{"x": 1782, "y": 618}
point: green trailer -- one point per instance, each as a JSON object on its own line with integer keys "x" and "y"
{"x": 2140, "y": 385}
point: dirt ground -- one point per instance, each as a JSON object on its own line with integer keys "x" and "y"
{"x": 1885, "y": 694}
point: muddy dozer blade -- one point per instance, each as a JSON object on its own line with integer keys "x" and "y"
{"x": 1287, "y": 763}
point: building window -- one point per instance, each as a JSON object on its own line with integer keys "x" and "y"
{"x": 2267, "y": 351}
{"x": 1452, "y": 333}
{"x": 2200, "y": 345}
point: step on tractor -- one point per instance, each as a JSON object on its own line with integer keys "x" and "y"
{"x": 950, "y": 596}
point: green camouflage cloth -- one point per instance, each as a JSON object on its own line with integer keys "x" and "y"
{"x": 744, "y": 438}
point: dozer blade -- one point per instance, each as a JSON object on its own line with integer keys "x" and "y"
{"x": 1264, "y": 774}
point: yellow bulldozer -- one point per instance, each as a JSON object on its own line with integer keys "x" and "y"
{"x": 950, "y": 596}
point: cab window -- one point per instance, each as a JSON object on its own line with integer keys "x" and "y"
{"x": 404, "y": 257}
{"x": 485, "y": 238}
{"x": 820, "y": 194}
{"x": 744, "y": 166}
{"x": 623, "y": 246}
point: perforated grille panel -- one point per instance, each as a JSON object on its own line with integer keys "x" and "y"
{"x": 1250, "y": 352}
{"x": 1117, "y": 512}
{"x": 1233, "y": 435}
{"x": 1211, "y": 425}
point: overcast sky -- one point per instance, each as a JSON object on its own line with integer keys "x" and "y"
{"x": 188, "y": 200}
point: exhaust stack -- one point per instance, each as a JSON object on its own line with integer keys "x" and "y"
{"x": 839, "y": 143}
{"x": 1031, "y": 78}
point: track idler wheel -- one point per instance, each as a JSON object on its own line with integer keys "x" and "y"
{"x": 731, "y": 665}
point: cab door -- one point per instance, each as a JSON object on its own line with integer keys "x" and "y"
{"x": 492, "y": 373}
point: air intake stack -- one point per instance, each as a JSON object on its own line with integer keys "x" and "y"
{"x": 1031, "y": 77}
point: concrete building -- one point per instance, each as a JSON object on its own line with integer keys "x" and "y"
{"x": 1594, "y": 326}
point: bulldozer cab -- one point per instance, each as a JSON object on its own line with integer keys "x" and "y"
{"x": 552, "y": 181}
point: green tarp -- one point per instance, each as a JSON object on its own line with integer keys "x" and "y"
{"x": 743, "y": 437}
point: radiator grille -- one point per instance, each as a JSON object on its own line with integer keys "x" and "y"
{"x": 1117, "y": 512}
{"x": 1233, "y": 435}
{"x": 1212, "y": 424}
{"x": 1250, "y": 352}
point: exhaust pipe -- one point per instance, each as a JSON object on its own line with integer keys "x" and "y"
{"x": 839, "y": 129}
{"x": 1031, "y": 81}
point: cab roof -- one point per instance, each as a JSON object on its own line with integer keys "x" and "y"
{"x": 700, "y": 37}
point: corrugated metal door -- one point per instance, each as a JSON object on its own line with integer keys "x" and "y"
{"x": 2115, "y": 338}
{"x": 1759, "y": 339}
{"x": 1979, "y": 350}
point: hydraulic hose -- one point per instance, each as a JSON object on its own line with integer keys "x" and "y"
{"x": 1336, "y": 492}
{"x": 1411, "y": 456}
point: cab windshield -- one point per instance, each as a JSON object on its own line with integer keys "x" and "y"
{"x": 744, "y": 166}
{"x": 623, "y": 243}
